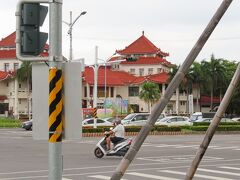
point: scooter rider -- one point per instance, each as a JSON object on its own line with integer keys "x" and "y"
{"x": 117, "y": 134}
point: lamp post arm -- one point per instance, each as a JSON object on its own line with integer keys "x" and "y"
{"x": 66, "y": 23}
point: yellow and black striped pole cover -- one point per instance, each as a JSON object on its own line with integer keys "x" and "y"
{"x": 55, "y": 102}
{"x": 95, "y": 112}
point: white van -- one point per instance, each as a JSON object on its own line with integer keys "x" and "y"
{"x": 197, "y": 116}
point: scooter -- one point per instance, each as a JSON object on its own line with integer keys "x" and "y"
{"x": 119, "y": 149}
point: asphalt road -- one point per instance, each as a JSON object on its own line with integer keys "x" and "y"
{"x": 161, "y": 157}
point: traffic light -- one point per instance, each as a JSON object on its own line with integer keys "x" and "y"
{"x": 32, "y": 17}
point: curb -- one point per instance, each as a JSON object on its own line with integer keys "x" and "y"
{"x": 157, "y": 133}
{"x": 136, "y": 133}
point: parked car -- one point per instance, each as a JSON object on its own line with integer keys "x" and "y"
{"x": 27, "y": 125}
{"x": 100, "y": 122}
{"x": 135, "y": 119}
{"x": 174, "y": 121}
{"x": 110, "y": 119}
{"x": 236, "y": 119}
{"x": 210, "y": 120}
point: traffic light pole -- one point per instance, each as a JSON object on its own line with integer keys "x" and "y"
{"x": 55, "y": 123}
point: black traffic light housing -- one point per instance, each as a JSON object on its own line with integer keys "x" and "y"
{"x": 32, "y": 40}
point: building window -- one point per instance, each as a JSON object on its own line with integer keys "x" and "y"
{"x": 159, "y": 70}
{"x": 182, "y": 103}
{"x": 16, "y": 66}
{"x": 150, "y": 70}
{"x": 141, "y": 72}
{"x": 132, "y": 71}
{"x": 133, "y": 91}
{"x": 19, "y": 85}
{"x": 85, "y": 91}
{"x": 6, "y": 66}
{"x": 111, "y": 91}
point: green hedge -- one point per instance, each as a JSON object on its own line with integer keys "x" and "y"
{"x": 9, "y": 123}
{"x": 220, "y": 128}
{"x": 221, "y": 123}
{"x": 131, "y": 129}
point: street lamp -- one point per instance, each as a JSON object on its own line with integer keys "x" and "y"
{"x": 70, "y": 25}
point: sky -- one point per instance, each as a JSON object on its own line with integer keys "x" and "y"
{"x": 172, "y": 25}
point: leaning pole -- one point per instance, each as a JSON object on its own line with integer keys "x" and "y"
{"x": 127, "y": 159}
{"x": 213, "y": 126}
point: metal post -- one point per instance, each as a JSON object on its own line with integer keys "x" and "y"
{"x": 160, "y": 105}
{"x": 105, "y": 88}
{"x": 95, "y": 84}
{"x": 55, "y": 91}
{"x": 70, "y": 37}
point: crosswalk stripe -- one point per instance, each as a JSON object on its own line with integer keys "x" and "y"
{"x": 151, "y": 176}
{"x": 227, "y": 167}
{"x": 219, "y": 172}
{"x": 102, "y": 177}
{"x": 196, "y": 175}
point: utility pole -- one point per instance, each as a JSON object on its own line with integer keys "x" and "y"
{"x": 95, "y": 85}
{"x": 158, "y": 108}
{"x": 70, "y": 25}
{"x": 55, "y": 101}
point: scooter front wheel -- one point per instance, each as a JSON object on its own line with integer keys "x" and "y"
{"x": 98, "y": 153}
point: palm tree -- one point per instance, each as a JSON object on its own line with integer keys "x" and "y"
{"x": 214, "y": 75}
{"x": 149, "y": 93}
{"x": 196, "y": 76}
{"x": 24, "y": 73}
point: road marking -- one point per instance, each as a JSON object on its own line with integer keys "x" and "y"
{"x": 229, "y": 147}
{"x": 151, "y": 176}
{"x": 66, "y": 179}
{"x": 183, "y": 146}
{"x": 219, "y": 172}
{"x": 227, "y": 167}
{"x": 102, "y": 177}
{"x": 196, "y": 175}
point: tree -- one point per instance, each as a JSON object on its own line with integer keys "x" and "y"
{"x": 214, "y": 75}
{"x": 24, "y": 73}
{"x": 149, "y": 93}
{"x": 196, "y": 76}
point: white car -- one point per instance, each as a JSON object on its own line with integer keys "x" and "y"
{"x": 174, "y": 121}
{"x": 236, "y": 119}
{"x": 100, "y": 122}
{"x": 135, "y": 119}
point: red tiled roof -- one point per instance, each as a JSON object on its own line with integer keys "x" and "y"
{"x": 141, "y": 46}
{"x": 148, "y": 60}
{"x": 207, "y": 100}
{"x": 8, "y": 41}
{"x": 11, "y": 54}
{"x": 8, "y": 54}
{"x": 155, "y": 78}
{"x": 113, "y": 78}
{"x": 2, "y": 97}
{"x": 4, "y": 75}
{"x": 120, "y": 78}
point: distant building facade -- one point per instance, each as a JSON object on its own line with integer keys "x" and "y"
{"x": 118, "y": 82}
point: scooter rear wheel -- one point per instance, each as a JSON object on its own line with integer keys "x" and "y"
{"x": 98, "y": 153}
